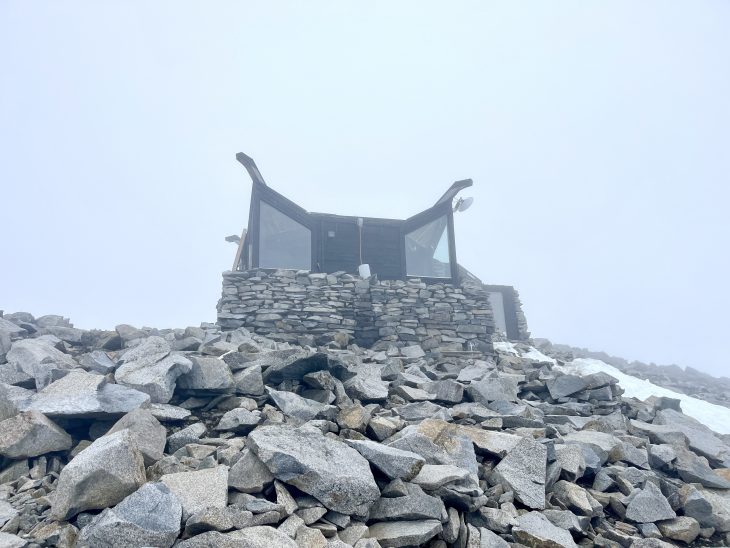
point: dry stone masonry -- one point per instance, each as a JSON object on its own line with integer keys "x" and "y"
{"x": 274, "y": 435}
{"x": 299, "y": 306}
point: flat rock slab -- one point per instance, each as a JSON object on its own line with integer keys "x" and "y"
{"x": 404, "y": 533}
{"x": 394, "y": 463}
{"x": 534, "y": 529}
{"x": 329, "y": 470}
{"x": 31, "y": 434}
{"x": 100, "y": 476}
{"x": 251, "y": 537}
{"x": 148, "y": 517}
{"x": 81, "y": 394}
{"x": 301, "y": 408}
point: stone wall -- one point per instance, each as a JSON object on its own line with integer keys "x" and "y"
{"x": 297, "y": 306}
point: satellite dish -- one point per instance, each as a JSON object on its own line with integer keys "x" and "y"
{"x": 462, "y": 204}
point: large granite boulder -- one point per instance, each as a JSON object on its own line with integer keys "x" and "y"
{"x": 335, "y": 474}
{"x": 82, "y": 394}
{"x": 523, "y": 471}
{"x": 148, "y": 517}
{"x": 150, "y": 367}
{"x": 38, "y": 358}
{"x": 149, "y": 435}
{"x": 207, "y": 488}
{"x": 100, "y": 476}
{"x": 31, "y": 434}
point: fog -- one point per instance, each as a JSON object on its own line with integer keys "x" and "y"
{"x": 597, "y": 136}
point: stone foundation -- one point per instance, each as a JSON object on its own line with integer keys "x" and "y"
{"x": 297, "y": 306}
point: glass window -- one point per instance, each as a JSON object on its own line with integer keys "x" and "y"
{"x": 283, "y": 242}
{"x": 427, "y": 250}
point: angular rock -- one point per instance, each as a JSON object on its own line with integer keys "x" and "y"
{"x": 12, "y": 541}
{"x": 404, "y": 533}
{"x": 239, "y": 420}
{"x": 649, "y": 505}
{"x": 250, "y": 537}
{"x": 249, "y": 381}
{"x": 150, "y": 368}
{"x": 571, "y": 461}
{"x": 294, "y": 367}
{"x": 148, "y": 517}
{"x": 301, "y": 408}
{"x": 249, "y": 474}
{"x": 414, "y": 506}
{"x": 207, "y": 374}
{"x": 82, "y": 394}
{"x": 565, "y": 385}
{"x": 189, "y": 434}
{"x": 499, "y": 388}
{"x": 329, "y": 470}
{"x": 148, "y": 434}
{"x": 196, "y": 491}
{"x": 394, "y": 463}
{"x": 433, "y": 476}
{"x": 98, "y": 361}
{"x": 681, "y": 528}
{"x": 694, "y": 469}
{"x": 523, "y": 471}
{"x": 112, "y": 465}
{"x": 37, "y": 358}
{"x": 31, "y": 434}
{"x": 575, "y": 498}
{"x": 534, "y": 529}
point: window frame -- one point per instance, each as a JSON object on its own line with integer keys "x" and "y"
{"x": 421, "y": 219}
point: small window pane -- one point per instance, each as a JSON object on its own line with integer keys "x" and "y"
{"x": 427, "y": 250}
{"x": 283, "y": 242}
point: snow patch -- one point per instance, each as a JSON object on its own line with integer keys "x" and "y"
{"x": 715, "y": 417}
{"x": 536, "y": 355}
{"x": 505, "y": 347}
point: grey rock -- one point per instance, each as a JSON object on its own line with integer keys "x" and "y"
{"x": 301, "y": 408}
{"x": 31, "y": 434}
{"x": 649, "y": 505}
{"x": 565, "y": 385}
{"x": 446, "y": 391}
{"x": 534, "y": 529}
{"x": 12, "y": 541}
{"x": 249, "y": 474}
{"x": 523, "y": 471}
{"x": 683, "y": 528}
{"x": 293, "y": 367}
{"x": 329, "y": 470}
{"x": 7, "y": 512}
{"x": 489, "y": 539}
{"x": 701, "y": 439}
{"x": 199, "y": 490}
{"x": 112, "y": 465}
{"x": 565, "y": 519}
{"x": 414, "y": 506}
{"x": 98, "y": 361}
{"x": 496, "y": 519}
{"x": 571, "y": 461}
{"x": 82, "y": 394}
{"x": 661, "y": 455}
{"x": 148, "y": 517}
{"x": 367, "y": 385}
{"x": 250, "y": 537}
{"x": 493, "y": 388}
{"x": 394, "y": 463}
{"x": 37, "y": 358}
{"x": 189, "y": 434}
{"x": 433, "y": 476}
{"x": 577, "y": 499}
{"x": 239, "y": 420}
{"x": 249, "y": 381}
{"x": 404, "y": 533}
{"x": 207, "y": 374}
{"x": 694, "y": 469}
{"x": 148, "y": 434}
{"x": 165, "y": 412}
{"x": 150, "y": 368}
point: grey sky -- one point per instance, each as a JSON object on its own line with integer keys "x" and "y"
{"x": 597, "y": 135}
